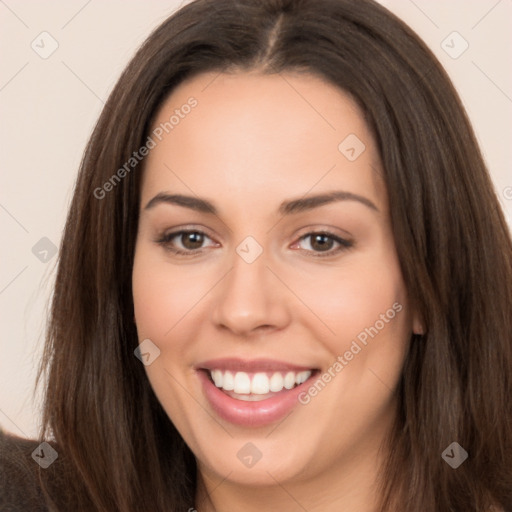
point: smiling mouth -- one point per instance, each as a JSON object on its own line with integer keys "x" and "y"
{"x": 257, "y": 386}
{"x": 253, "y": 393}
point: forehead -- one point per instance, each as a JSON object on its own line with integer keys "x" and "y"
{"x": 271, "y": 135}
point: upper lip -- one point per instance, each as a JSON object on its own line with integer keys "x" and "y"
{"x": 251, "y": 365}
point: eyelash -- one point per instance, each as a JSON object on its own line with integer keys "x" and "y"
{"x": 166, "y": 238}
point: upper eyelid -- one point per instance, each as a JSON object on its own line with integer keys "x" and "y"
{"x": 175, "y": 234}
{"x": 307, "y": 230}
{"x": 179, "y": 231}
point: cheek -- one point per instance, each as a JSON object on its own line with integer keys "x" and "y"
{"x": 162, "y": 298}
{"x": 162, "y": 295}
{"x": 363, "y": 300}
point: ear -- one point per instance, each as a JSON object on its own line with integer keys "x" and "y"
{"x": 418, "y": 325}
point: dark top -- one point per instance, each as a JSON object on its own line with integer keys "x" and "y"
{"x": 20, "y": 489}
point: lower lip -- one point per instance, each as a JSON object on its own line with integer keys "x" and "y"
{"x": 251, "y": 414}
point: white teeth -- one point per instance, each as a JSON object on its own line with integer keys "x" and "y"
{"x": 289, "y": 380}
{"x": 276, "y": 382}
{"x": 242, "y": 383}
{"x": 228, "y": 383}
{"x": 260, "y": 383}
{"x": 218, "y": 378}
{"x": 302, "y": 377}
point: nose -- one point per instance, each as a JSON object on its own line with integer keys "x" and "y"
{"x": 250, "y": 299}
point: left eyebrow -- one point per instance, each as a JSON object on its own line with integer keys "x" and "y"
{"x": 308, "y": 203}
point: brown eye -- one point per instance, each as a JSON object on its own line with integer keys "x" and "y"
{"x": 192, "y": 240}
{"x": 185, "y": 242}
{"x": 321, "y": 242}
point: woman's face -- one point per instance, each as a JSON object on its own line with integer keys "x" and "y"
{"x": 287, "y": 272}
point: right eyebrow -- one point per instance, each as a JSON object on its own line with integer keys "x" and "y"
{"x": 194, "y": 203}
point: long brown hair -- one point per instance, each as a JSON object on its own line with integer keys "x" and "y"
{"x": 118, "y": 449}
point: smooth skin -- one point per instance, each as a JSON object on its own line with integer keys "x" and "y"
{"x": 253, "y": 142}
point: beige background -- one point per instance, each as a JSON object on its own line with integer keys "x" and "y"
{"x": 48, "y": 108}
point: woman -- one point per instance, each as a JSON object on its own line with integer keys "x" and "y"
{"x": 285, "y": 280}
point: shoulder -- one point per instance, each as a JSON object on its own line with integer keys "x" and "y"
{"x": 19, "y": 473}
